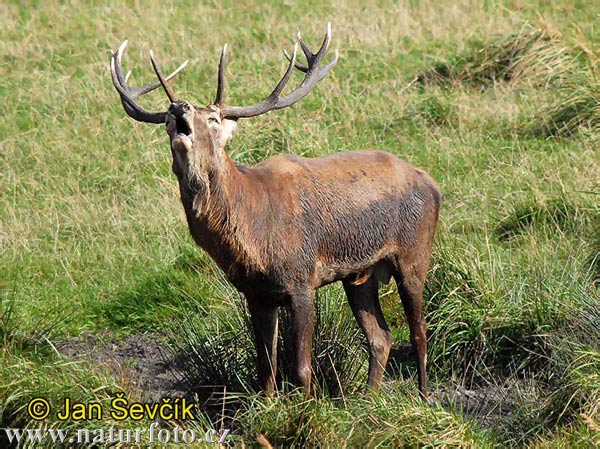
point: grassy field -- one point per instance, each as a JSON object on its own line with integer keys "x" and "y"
{"x": 499, "y": 101}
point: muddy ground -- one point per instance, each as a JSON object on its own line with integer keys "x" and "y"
{"x": 140, "y": 364}
{"x": 136, "y": 361}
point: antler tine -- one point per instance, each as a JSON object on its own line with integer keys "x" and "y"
{"x": 307, "y": 53}
{"x": 324, "y": 45}
{"x": 141, "y": 90}
{"x": 167, "y": 78}
{"x": 170, "y": 93}
{"x": 313, "y": 59}
{"x": 128, "y": 93}
{"x": 298, "y": 66}
{"x": 119, "y": 55}
{"x": 314, "y": 73}
{"x": 221, "y": 77}
{"x": 286, "y": 76}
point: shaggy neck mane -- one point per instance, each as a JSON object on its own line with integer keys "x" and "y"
{"x": 218, "y": 203}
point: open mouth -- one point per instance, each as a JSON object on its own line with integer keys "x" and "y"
{"x": 183, "y": 133}
{"x": 182, "y": 126}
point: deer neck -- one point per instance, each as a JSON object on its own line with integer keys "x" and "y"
{"x": 212, "y": 196}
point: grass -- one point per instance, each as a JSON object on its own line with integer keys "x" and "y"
{"x": 499, "y": 103}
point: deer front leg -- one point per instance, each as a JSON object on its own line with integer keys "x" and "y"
{"x": 264, "y": 322}
{"x": 303, "y": 325}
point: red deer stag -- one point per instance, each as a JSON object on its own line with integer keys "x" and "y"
{"x": 289, "y": 225}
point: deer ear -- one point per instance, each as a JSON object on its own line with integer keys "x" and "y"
{"x": 229, "y": 127}
{"x": 225, "y": 131}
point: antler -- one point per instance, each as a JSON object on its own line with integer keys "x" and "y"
{"x": 311, "y": 57}
{"x": 314, "y": 74}
{"x": 128, "y": 93}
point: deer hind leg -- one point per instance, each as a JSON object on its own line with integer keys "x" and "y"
{"x": 411, "y": 280}
{"x": 364, "y": 302}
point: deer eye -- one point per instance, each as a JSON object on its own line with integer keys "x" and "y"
{"x": 213, "y": 120}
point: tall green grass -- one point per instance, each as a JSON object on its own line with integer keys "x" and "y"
{"x": 499, "y": 103}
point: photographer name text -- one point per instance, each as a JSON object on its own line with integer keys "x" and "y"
{"x": 120, "y": 409}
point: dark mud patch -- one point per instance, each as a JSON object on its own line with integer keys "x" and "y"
{"x": 491, "y": 405}
{"x": 137, "y": 362}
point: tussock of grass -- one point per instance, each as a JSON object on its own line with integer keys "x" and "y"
{"x": 215, "y": 350}
{"x": 561, "y": 214}
{"x": 7, "y": 326}
{"x": 14, "y": 338}
{"x": 576, "y": 110}
{"x": 534, "y": 57}
{"x": 219, "y": 350}
{"x": 564, "y": 393}
{"x": 537, "y": 59}
{"x": 582, "y": 433}
{"x": 393, "y": 418}
{"x": 434, "y": 110}
{"x": 576, "y": 361}
{"x": 487, "y": 316}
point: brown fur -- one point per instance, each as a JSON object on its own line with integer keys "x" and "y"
{"x": 289, "y": 225}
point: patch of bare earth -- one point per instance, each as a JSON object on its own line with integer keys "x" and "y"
{"x": 136, "y": 361}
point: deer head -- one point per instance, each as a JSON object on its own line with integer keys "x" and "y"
{"x": 198, "y": 134}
